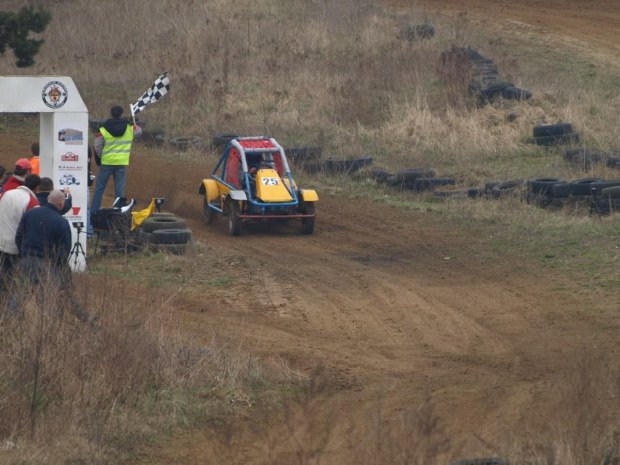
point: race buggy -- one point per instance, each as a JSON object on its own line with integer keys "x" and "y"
{"x": 252, "y": 182}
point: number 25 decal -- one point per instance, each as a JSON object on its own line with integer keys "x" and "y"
{"x": 270, "y": 181}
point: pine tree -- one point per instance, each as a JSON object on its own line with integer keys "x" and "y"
{"x": 15, "y": 28}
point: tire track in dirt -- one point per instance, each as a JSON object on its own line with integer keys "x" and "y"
{"x": 379, "y": 305}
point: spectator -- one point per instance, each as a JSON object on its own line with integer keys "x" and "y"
{"x": 13, "y": 205}
{"x": 113, "y": 145}
{"x": 47, "y": 186}
{"x": 2, "y": 176}
{"x": 44, "y": 242}
{"x": 22, "y": 169}
{"x": 34, "y": 160}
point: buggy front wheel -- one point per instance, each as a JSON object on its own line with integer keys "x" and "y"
{"x": 234, "y": 222}
{"x": 307, "y": 224}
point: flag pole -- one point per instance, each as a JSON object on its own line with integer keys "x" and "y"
{"x": 132, "y": 115}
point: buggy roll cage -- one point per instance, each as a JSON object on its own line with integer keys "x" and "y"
{"x": 243, "y": 151}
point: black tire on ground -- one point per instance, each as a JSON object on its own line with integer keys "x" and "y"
{"x": 569, "y": 154}
{"x": 345, "y": 166}
{"x": 514, "y": 93}
{"x": 582, "y": 186}
{"x": 393, "y": 181}
{"x": 547, "y": 141}
{"x": 411, "y": 174}
{"x": 154, "y": 224}
{"x": 473, "y": 192}
{"x": 220, "y": 141}
{"x": 380, "y": 175}
{"x": 542, "y": 186}
{"x": 613, "y": 162}
{"x": 494, "y": 90}
{"x": 490, "y": 185}
{"x": 611, "y": 192}
{"x": 587, "y": 161}
{"x": 185, "y": 143}
{"x": 172, "y": 236}
{"x": 599, "y": 186}
{"x": 234, "y": 222}
{"x": 424, "y": 184}
{"x": 307, "y": 224}
{"x": 445, "y": 194}
{"x": 507, "y": 188}
{"x": 608, "y": 204}
{"x": 144, "y": 238}
{"x": 209, "y": 213}
{"x": 561, "y": 190}
{"x": 552, "y": 130}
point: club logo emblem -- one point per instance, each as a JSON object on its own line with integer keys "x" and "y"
{"x": 54, "y": 94}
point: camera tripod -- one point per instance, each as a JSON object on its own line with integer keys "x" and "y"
{"x": 77, "y": 248}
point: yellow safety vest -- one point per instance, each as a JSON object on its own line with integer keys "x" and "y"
{"x": 116, "y": 150}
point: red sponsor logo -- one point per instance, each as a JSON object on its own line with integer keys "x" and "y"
{"x": 69, "y": 156}
{"x": 75, "y": 210}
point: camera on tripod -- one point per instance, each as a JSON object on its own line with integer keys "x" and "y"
{"x": 78, "y": 224}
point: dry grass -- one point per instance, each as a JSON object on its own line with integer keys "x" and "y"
{"x": 70, "y": 392}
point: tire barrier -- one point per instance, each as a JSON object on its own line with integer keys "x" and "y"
{"x": 185, "y": 143}
{"x": 220, "y": 141}
{"x": 152, "y": 224}
{"x": 462, "y": 63}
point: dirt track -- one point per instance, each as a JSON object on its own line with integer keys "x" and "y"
{"x": 393, "y": 306}
{"x": 388, "y": 301}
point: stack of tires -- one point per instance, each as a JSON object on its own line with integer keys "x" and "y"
{"x": 165, "y": 233}
{"x": 607, "y": 196}
{"x": 502, "y": 189}
{"x": 540, "y": 190}
{"x": 485, "y": 83}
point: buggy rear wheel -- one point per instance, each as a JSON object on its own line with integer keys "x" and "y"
{"x": 234, "y": 222}
{"x": 307, "y": 224}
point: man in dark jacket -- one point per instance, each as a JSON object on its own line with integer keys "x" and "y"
{"x": 47, "y": 186}
{"x": 113, "y": 145}
{"x": 44, "y": 242}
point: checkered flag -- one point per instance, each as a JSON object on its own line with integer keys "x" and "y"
{"x": 160, "y": 87}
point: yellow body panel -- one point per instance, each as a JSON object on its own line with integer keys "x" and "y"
{"x": 309, "y": 195}
{"x": 211, "y": 190}
{"x": 286, "y": 181}
{"x": 269, "y": 187}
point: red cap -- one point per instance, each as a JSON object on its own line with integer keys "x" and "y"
{"x": 23, "y": 163}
